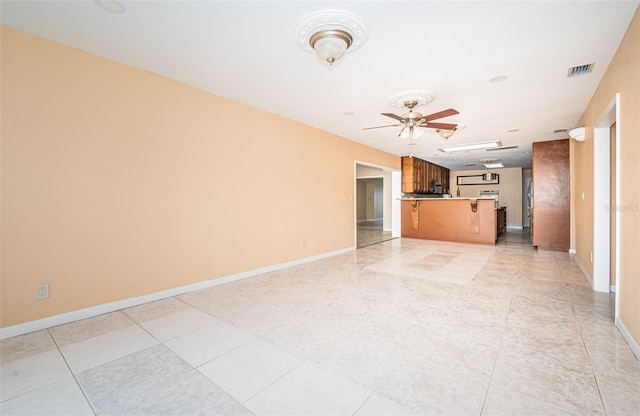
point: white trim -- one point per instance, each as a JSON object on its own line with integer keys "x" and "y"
{"x": 572, "y": 251}
{"x": 396, "y": 193}
{"x": 515, "y": 227}
{"x": 387, "y": 229}
{"x": 612, "y": 288}
{"x": 633, "y": 344}
{"x": 582, "y": 269}
{"x": 92, "y": 311}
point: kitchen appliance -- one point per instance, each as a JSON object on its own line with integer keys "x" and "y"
{"x": 493, "y": 194}
{"x": 436, "y": 187}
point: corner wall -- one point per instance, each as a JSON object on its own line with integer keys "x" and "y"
{"x": 118, "y": 183}
{"x": 622, "y": 77}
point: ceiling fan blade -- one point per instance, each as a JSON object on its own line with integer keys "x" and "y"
{"x": 399, "y": 118}
{"x": 380, "y": 127}
{"x": 443, "y": 126}
{"x": 440, "y": 114}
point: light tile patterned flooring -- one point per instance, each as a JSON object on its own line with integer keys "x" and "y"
{"x": 372, "y": 234}
{"x": 404, "y": 327}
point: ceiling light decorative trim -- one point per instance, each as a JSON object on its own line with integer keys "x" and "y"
{"x": 327, "y": 20}
{"x": 420, "y": 95}
{"x": 112, "y": 6}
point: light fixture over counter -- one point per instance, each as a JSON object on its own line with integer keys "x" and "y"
{"x": 330, "y": 34}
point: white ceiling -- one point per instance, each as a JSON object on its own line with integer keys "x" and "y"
{"x": 246, "y": 51}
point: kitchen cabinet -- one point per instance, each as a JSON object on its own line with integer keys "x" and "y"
{"x": 418, "y": 174}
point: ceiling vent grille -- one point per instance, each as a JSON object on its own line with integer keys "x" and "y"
{"x": 560, "y": 131}
{"x": 576, "y": 71}
{"x": 501, "y": 148}
{"x": 469, "y": 164}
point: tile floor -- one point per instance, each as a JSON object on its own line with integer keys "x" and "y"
{"x": 369, "y": 234}
{"x": 404, "y": 327}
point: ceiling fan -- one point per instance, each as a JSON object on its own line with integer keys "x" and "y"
{"x": 413, "y": 119}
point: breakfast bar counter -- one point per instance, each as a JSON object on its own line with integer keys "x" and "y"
{"x": 464, "y": 220}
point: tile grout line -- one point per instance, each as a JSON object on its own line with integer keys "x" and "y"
{"x": 75, "y": 378}
{"x": 495, "y": 361}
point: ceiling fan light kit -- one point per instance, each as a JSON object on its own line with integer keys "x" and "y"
{"x": 413, "y": 121}
{"x": 330, "y": 34}
{"x": 445, "y": 134}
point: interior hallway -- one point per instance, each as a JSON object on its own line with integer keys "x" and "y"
{"x": 404, "y": 327}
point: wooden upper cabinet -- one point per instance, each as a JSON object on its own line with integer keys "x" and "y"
{"x": 417, "y": 175}
{"x": 551, "y": 202}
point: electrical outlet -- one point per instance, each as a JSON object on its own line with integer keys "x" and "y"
{"x": 42, "y": 291}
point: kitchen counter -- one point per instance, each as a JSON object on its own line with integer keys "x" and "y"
{"x": 465, "y": 220}
{"x": 445, "y": 199}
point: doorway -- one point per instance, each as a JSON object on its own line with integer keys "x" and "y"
{"x": 376, "y": 207}
{"x": 605, "y": 202}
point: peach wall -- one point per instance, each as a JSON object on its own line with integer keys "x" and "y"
{"x": 622, "y": 76}
{"x": 118, "y": 183}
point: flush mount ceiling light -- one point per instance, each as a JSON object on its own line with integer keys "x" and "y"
{"x": 330, "y": 34}
{"x": 470, "y": 146}
{"x": 112, "y": 6}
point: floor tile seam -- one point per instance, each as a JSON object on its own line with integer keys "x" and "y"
{"x": 207, "y": 379}
{"x": 363, "y": 403}
{"x": 119, "y": 311}
{"x": 591, "y": 365}
{"x": 157, "y": 317}
{"x": 253, "y": 338}
{"x": 302, "y": 362}
{"x": 75, "y": 376}
{"x": 495, "y": 360}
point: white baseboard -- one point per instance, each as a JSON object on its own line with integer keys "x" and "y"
{"x": 584, "y": 272}
{"x": 633, "y": 344}
{"x": 515, "y": 227}
{"x": 65, "y": 318}
{"x": 572, "y": 251}
{"x": 612, "y": 288}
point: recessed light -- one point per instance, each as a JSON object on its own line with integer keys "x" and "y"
{"x": 470, "y": 146}
{"x": 348, "y": 113}
{"x": 498, "y": 78}
{"x": 112, "y": 6}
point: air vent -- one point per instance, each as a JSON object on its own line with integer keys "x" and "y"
{"x": 501, "y": 148}
{"x": 560, "y": 131}
{"x": 469, "y": 164}
{"x": 578, "y": 70}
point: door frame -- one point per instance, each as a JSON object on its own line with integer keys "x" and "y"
{"x": 390, "y": 191}
{"x": 602, "y": 204}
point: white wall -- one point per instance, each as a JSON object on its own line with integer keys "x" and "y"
{"x": 510, "y": 189}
